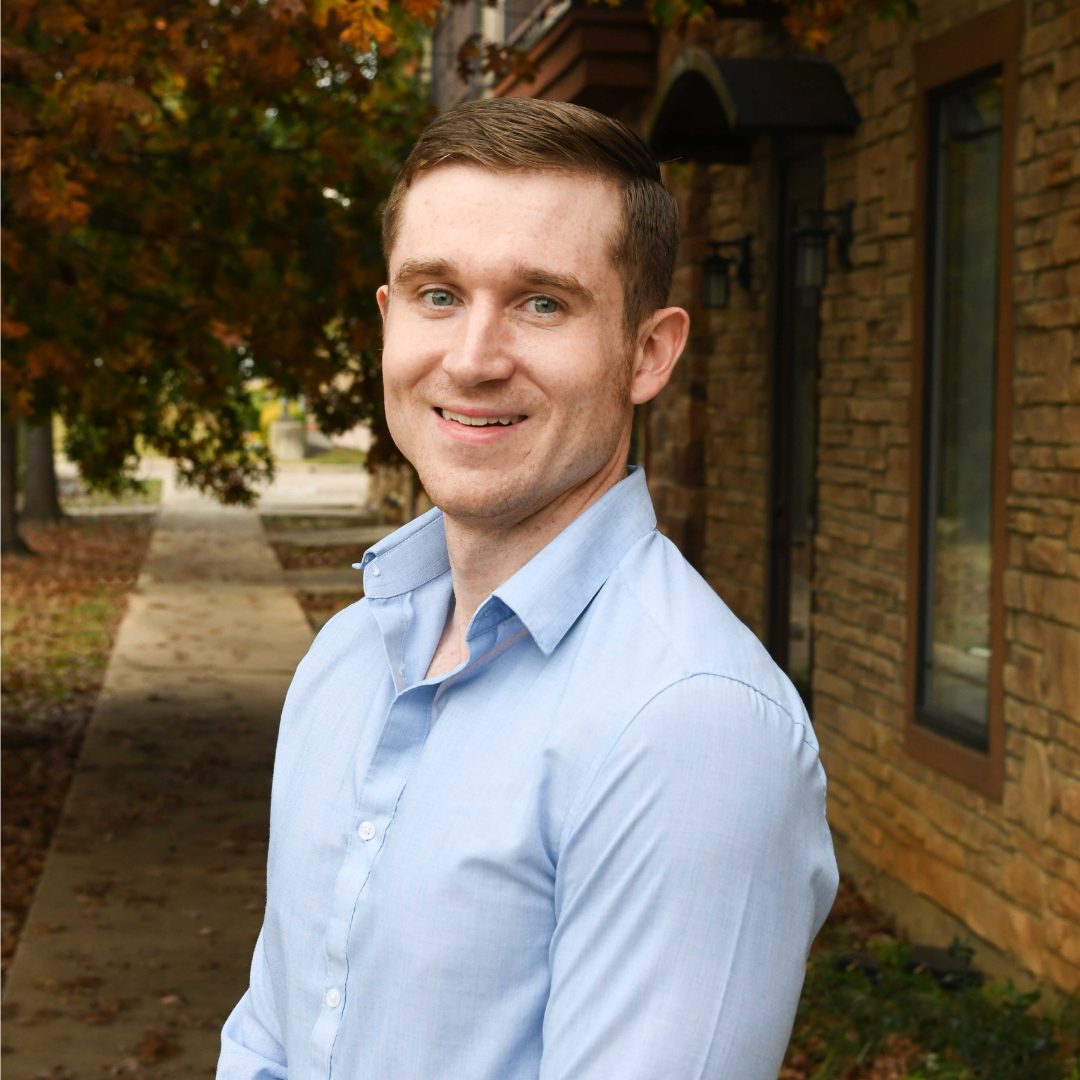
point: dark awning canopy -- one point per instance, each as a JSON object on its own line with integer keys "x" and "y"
{"x": 711, "y": 108}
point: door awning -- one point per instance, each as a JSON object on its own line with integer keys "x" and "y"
{"x": 712, "y": 108}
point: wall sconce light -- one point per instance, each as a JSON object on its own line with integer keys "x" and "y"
{"x": 715, "y": 271}
{"x": 812, "y": 245}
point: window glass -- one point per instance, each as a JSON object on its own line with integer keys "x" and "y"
{"x": 958, "y": 482}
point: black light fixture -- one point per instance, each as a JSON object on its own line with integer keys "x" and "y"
{"x": 715, "y": 271}
{"x": 812, "y": 245}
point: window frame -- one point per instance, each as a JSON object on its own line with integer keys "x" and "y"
{"x": 990, "y": 41}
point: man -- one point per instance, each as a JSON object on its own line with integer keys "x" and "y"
{"x": 542, "y": 806}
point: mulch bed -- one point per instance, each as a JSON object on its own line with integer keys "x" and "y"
{"x": 60, "y": 612}
{"x": 321, "y": 605}
{"x": 323, "y": 556}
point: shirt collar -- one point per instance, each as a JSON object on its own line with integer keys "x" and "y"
{"x": 407, "y": 558}
{"x": 551, "y": 590}
{"x": 556, "y": 585}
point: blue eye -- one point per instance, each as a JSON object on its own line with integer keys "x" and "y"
{"x": 544, "y": 305}
{"x": 441, "y": 298}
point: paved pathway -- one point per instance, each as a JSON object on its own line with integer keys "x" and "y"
{"x": 140, "y": 935}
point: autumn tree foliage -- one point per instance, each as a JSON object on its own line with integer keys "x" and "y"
{"x": 812, "y": 23}
{"x": 191, "y": 198}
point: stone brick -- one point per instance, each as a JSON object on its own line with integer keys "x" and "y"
{"x": 1065, "y": 900}
{"x": 1061, "y": 673}
{"x": 1008, "y": 869}
{"x": 1065, "y": 247}
{"x": 1064, "y": 311}
{"x": 1045, "y": 553}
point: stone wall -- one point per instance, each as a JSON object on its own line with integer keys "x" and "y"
{"x": 1009, "y": 870}
{"x": 709, "y": 444}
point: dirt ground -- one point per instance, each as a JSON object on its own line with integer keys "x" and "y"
{"x": 60, "y": 612}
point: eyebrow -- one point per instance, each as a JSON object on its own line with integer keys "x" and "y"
{"x": 423, "y": 268}
{"x": 534, "y": 276}
{"x": 540, "y": 278}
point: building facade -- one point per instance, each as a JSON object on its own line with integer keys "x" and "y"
{"x": 871, "y": 449}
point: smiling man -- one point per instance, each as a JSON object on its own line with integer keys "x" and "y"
{"x": 542, "y": 807}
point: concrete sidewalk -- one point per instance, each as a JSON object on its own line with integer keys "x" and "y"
{"x": 140, "y": 935}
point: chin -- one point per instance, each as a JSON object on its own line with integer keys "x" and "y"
{"x": 471, "y": 496}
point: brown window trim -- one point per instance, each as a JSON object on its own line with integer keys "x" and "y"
{"x": 991, "y": 40}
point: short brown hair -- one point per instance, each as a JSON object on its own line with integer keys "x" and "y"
{"x": 527, "y": 135}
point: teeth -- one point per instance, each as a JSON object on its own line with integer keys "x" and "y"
{"x": 479, "y": 421}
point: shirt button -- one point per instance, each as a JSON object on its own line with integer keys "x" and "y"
{"x": 366, "y": 831}
{"x": 401, "y": 671}
{"x": 333, "y": 998}
{"x": 375, "y": 570}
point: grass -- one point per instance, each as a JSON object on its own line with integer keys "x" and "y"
{"x": 338, "y": 455}
{"x": 886, "y": 1018}
{"x": 59, "y": 614}
{"x": 276, "y": 523}
{"x": 145, "y": 493}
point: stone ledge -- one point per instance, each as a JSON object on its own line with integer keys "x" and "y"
{"x": 920, "y": 920}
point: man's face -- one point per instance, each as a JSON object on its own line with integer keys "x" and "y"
{"x": 505, "y": 360}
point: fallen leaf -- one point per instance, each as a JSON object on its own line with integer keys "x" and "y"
{"x": 156, "y": 1047}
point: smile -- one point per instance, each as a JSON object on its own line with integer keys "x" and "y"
{"x": 479, "y": 421}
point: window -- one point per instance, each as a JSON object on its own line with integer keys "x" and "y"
{"x": 961, "y": 389}
{"x": 960, "y": 362}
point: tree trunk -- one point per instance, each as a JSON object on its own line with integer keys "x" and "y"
{"x": 11, "y": 543}
{"x": 40, "y": 499}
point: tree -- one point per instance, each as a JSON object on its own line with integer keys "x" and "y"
{"x": 10, "y": 540}
{"x": 812, "y": 23}
{"x": 41, "y": 497}
{"x": 191, "y": 198}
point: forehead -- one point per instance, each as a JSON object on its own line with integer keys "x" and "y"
{"x": 467, "y": 214}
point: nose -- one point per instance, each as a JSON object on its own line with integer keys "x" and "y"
{"x": 481, "y": 352}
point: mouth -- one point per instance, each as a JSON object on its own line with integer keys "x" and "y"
{"x": 480, "y": 421}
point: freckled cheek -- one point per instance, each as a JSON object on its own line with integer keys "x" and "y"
{"x": 407, "y": 359}
{"x": 575, "y": 380}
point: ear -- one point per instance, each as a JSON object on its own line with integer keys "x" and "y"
{"x": 383, "y": 298}
{"x": 661, "y": 341}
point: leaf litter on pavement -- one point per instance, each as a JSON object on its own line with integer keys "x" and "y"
{"x": 60, "y": 610}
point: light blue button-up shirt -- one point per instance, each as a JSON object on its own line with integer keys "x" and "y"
{"x": 596, "y": 849}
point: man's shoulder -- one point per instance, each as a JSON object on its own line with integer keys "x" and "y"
{"x": 681, "y": 628}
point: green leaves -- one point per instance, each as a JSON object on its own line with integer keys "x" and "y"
{"x": 885, "y": 1014}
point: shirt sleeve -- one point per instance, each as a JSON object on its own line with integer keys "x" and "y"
{"x": 251, "y": 1043}
{"x": 693, "y": 874}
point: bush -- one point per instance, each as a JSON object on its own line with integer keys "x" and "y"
{"x": 879, "y": 1016}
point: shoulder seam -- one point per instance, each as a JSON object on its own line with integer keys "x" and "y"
{"x": 606, "y": 750}
{"x": 690, "y": 673}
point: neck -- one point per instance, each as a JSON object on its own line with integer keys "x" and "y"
{"x": 484, "y": 553}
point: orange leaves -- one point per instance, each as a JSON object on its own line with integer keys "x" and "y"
{"x": 164, "y": 174}
{"x": 813, "y": 22}
{"x": 125, "y": 100}
{"x": 22, "y": 61}
{"x": 230, "y": 337}
{"x": 292, "y": 8}
{"x": 44, "y": 190}
{"x": 366, "y": 24}
{"x": 424, "y": 11}
{"x": 12, "y": 328}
